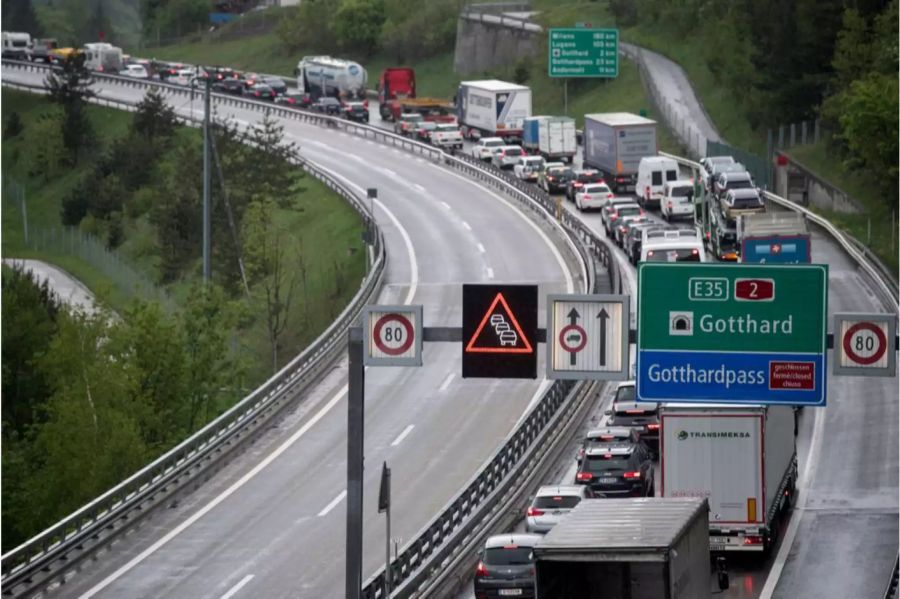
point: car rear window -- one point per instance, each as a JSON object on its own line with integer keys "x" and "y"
{"x": 602, "y": 463}
{"x": 590, "y": 177}
{"x": 740, "y": 184}
{"x": 629, "y": 210}
{"x": 681, "y": 192}
{"x": 557, "y": 501}
{"x": 674, "y": 255}
{"x": 512, "y": 555}
{"x": 625, "y": 393}
{"x": 744, "y": 203}
{"x": 656, "y": 178}
{"x": 514, "y": 152}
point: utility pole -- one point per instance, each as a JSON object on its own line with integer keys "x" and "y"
{"x": 206, "y": 180}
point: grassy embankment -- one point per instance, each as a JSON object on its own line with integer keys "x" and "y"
{"x": 323, "y": 227}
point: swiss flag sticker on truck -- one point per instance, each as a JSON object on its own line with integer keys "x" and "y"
{"x": 754, "y": 290}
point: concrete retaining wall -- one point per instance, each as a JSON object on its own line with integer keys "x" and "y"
{"x": 795, "y": 182}
{"x": 485, "y": 41}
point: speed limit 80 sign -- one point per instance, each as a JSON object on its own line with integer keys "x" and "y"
{"x": 864, "y": 344}
{"x": 393, "y": 335}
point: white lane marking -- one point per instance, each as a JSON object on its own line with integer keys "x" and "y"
{"x": 791, "y": 533}
{"x": 490, "y": 272}
{"x": 481, "y": 248}
{"x": 466, "y": 226}
{"x": 445, "y": 205}
{"x": 411, "y": 252}
{"x": 402, "y": 435}
{"x": 233, "y": 590}
{"x": 216, "y": 501}
{"x": 419, "y": 188}
{"x": 333, "y": 504}
{"x": 387, "y": 171}
{"x": 570, "y": 284}
{"x": 447, "y": 381}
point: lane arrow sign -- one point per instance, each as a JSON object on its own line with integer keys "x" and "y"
{"x": 573, "y": 319}
{"x": 603, "y": 315}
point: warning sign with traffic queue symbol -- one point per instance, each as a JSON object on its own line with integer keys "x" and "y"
{"x": 864, "y": 344}
{"x": 499, "y": 331}
{"x": 393, "y": 335}
{"x": 587, "y": 336}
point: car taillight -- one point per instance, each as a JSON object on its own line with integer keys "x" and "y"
{"x": 533, "y": 511}
{"x": 694, "y": 252}
{"x": 577, "y": 184}
{"x": 585, "y": 197}
{"x": 100, "y": 68}
{"x": 652, "y": 427}
{"x": 753, "y": 540}
{"x": 584, "y": 476}
{"x": 649, "y": 253}
{"x": 632, "y": 475}
{"x": 622, "y": 228}
{"x": 481, "y": 570}
{"x": 581, "y": 452}
{"x": 256, "y": 94}
{"x": 613, "y": 216}
{"x": 670, "y": 205}
{"x": 647, "y": 190}
{"x": 609, "y": 196}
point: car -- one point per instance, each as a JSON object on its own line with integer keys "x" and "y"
{"x": 617, "y": 469}
{"x": 507, "y": 156}
{"x": 613, "y": 201}
{"x": 618, "y": 211}
{"x": 423, "y": 131}
{"x": 653, "y": 173}
{"x": 137, "y": 71}
{"x": 183, "y": 76}
{"x": 528, "y": 168}
{"x": 642, "y": 416}
{"x": 217, "y": 73}
{"x": 592, "y": 196}
{"x": 260, "y": 91}
{"x": 165, "y": 70}
{"x": 607, "y": 434}
{"x": 719, "y": 170}
{"x": 327, "y": 105}
{"x": 582, "y": 177}
{"x": 484, "y": 148}
{"x": 708, "y": 165}
{"x": 632, "y": 245}
{"x": 551, "y": 503}
{"x": 229, "y": 86}
{"x": 276, "y": 83}
{"x": 506, "y": 566}
{"x": 732, "y": 180}
{"x": 686, "y": 249}
{"x": 407, "y": 123}
{"x": 447, "y": 135}
{"x": 623, "y": 227}
{"x": 357, "y": 111}
{"x": 295, "y": 100}
{"x": 678, "y": 200}
{"x": 737, "y": 201}
{"x": 556, "y": 178}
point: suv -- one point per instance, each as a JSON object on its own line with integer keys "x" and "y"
{"x": 607, "y": 434}
{"x": 741, "y": 201}
{"x": 581, "y": 178}
{"x": 506, "y": 566}
{"x": 407, "y": 123}
{"x": 616, "y": 212}
{"x": 592, "y": 196}
{"x": 507, "y": 156}
{"x": 484, "y": 149}
{"x": 732, "y": 180}
{"x": 551, "y": 504}
{"x": 357, "y": 111}
{"x": 556, "y": 178}
{"x": 617, "y": 470}
{"x": 229, "y": 86}
{"x": 678, "y": 200}
{"x": 529, "y": 168}
{"x": 642, "y": 416}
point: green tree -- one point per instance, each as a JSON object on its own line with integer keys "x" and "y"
{"x": 19, "y": 15}
{"x": 414, "y": 30}
{"x": 308, "y": 26}
{"x": 177, "y": 216}
{"x": 154, "y": 118}
{"x": 45, "y": 150}
{"x": 357, "y": 25}
{"x": 853, "y": 50}
{"x": 70, "y": 88}
{"x": 13, "y": 126}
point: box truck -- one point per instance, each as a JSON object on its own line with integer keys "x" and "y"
{"x": 614, "y": 144}
{"x": 492, "y": 108}
{"x": 648, "y": 548}
{"x": 553, "y": 137}
{"x": 774, "y": 238}
{"x": 741, "y": 458}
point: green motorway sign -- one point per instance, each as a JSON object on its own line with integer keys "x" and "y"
{"x": 742, "y": 333}
{"x": 583, "y": 53}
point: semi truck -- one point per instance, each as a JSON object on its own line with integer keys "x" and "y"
{"x": 395, "y": 83}
{"x": 614, "y": 144}
{"x": 321, "y": 76}
{"x": 774, "y": 238}
{"x": 553, "y": 137}
{"x": 492, "y": 108}
{"x": 741, "y": 458}
{"x": 647, "y": 548}
{"x": 431, "y": 109}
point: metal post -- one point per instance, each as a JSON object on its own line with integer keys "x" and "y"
{"x": 24, "y": 212}
{"x": 869, "y": 231}
{"x": 566, "y": 97}
{"x": 355, "y": 456}
{"x": 388, "y": 583}
{"x": 893, "y": 228}
{"x": 206, "y": 182}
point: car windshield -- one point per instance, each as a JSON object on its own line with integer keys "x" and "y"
{"x": 629, "y": 210}
{"x": 511, "y": 555}
{"x": 556, "y": 501}
{"x": 605, "y": 462}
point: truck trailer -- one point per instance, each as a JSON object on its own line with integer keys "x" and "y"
{"x": 326, "y": 76}
{"x": 16, "y": 45}
{"x": 741, "y": 458}
{"x": 614, "y": 144}
{"x": 648, "y": 548}
{"x": 553, "y": 137}
{"x": 774, "y": 238}
{"x": 492, "y": 108}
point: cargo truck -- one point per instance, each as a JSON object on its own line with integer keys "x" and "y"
{"x": 552, "y": 137}
{"x": 492, "y": 108}
{"x": 614, "y": 144}
{"x": 774, "y": 238}
{"x": 648, "y": 548}
{"x": 741, "y": 458}
{"x": 395, "y": 83}
{"x": 326, "y": 76}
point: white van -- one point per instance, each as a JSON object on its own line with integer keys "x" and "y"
{"x": 653, "y": 173}
{"x": 673, "y": 246}
{"x": 103, "y": 57}
{"x": 678, "y": 200}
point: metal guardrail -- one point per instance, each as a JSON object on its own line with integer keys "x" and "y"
{"x": 890, "y": 592}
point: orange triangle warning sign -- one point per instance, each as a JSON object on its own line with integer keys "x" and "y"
{"x": 499, "y": 332}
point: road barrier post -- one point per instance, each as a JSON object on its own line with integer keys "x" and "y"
{"x": 355, "y": 456}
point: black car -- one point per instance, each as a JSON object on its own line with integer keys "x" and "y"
{"x": 357, "y": 111}
{"x": 633, "y": 242}
{"x": 643, "y": 416}
{"x": 506, "y": 567}
{"x": 295, "y": 100}
{"x": 327, "y": 105}
{"x": 229, "y": 86}
{"x": 556, "y": 179}
{"x": 164, "y": 70}
{"x": 276, "y": 83}
{"x": 580, "y": 178}
{"x": 620, "y": 469}
{"x": 260, "y": 92}
{"x": 607, "y": 434}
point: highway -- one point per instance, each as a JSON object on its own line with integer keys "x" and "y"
{"x": 281, "y": 532}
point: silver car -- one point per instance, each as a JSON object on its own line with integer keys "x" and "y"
{"x": 551, "y": 504}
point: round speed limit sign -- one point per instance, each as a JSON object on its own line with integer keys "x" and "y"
{"x": 864, "y": 344}
{"x": 393, "y": 336}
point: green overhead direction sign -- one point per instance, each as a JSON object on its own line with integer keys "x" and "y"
{"x": 581, "y": 52}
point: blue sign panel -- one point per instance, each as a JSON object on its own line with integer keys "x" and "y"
{"x": 778, "y": 249}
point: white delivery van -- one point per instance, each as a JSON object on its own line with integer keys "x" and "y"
{"x": 653, "y": 173}
{"x": 677, "y": 200}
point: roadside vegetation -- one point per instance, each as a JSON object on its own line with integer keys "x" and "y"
{"x": 89, "y": 399}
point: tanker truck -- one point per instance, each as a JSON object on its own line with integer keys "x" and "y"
{"x": 326, "y": 76}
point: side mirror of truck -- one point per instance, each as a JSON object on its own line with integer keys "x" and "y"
{"x": 722, "y": 574}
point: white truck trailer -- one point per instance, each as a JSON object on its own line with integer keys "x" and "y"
{"x": 326, "y": 76}
{"x": 492, "y": 108}
{"x": 614, "y": 144}
{"x": 553, "y": 137}
{"x": 742, "y": 458}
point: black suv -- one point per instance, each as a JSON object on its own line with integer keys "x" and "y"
{"x": 607, "y": 434}
{"x": 643, "y": 416}
{"x": 229, "y": 86}
{"x": 506, "y": 567}
{"x": 556, "y": 179}
{"x": 620, "y": 469}
{"x": 580, "y": 179}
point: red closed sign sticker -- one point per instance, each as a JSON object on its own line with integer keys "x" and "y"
{"x": 754, "y": 290}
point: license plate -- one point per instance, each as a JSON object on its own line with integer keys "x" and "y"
{"x": 717, "y": 547}
{"x": 607, "y": 481}
{"x": 510, "y": 592}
